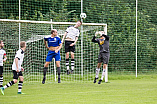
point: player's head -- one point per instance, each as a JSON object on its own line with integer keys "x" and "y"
{"x": 1, "y": 44}
{"x": 78, "y": 24}
{"x": 54, "y": 32}
{"x": 23, "y": 45}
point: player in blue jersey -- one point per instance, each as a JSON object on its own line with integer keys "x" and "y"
{"x": 53, "y": 44}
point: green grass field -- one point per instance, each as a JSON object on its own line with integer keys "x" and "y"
{"x": 122, "y": 89}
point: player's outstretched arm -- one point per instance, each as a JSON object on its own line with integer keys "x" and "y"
{"x": 64, "y": 37}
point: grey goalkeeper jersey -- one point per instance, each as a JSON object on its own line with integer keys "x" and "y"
{"x": 103, "y": 43}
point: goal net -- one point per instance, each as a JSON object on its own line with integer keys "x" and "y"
{"x": 33, "y": 32}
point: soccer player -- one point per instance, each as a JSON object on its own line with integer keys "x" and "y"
{"x": 3, "y": 58}
{"x": 17, "y": 69}
{"x": 54, "y": 46}
{"x": 72, "y": 34}
{"x": 104, "y": 54}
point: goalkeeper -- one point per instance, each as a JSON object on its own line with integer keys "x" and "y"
{"x": 104, "y": 54}
{"x": 54, "y": 46}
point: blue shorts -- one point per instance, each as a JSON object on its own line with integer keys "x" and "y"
{"x": 51, "y": 55}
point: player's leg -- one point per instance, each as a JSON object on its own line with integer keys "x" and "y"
{"x": 103, "y": 73}
{"x": 44, "y": 71}
{"x": 97, "y": 72}
{"x": 67, "y": 62}
{"x": 58, "y": 71}
{"x": 72, "y": 49}
{"x": 67, "y": 55}
{"x": 1, "y": 76}
{"x": 105, "y": 59}
{"x": 98, "y": 67}
{"x": 48, "y": 60}
{"x": 72, "y": 62}
{"x": 58, "y": 59}
{"x": 20, "y": 83}
{"x": 15, "y": 78}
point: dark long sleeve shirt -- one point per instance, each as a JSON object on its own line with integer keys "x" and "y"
{"x": 103, "y": 43}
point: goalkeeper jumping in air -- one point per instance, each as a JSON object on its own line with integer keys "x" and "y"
{"x": 104, "y": 54}
{"x": 54, "y": 46}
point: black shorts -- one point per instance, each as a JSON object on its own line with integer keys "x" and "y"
{"x": 1, "y": 70}
{"x": 103, "y": 57}
{"x": 69, "y": 48}
{"x": 16, "y": 75}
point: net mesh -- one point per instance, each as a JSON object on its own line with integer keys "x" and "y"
{"x": 36, "y": 52}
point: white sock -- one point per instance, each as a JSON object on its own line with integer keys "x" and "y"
{"x": 72, "y": 64}
{"x": 20, "y": 86}
{"x": 103, "y": 74}
{"x": 1, "y": 80}
{"x": 97, "y": 72}
{"x": 67, "y": 64}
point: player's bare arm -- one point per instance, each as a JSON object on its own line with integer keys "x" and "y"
{"x": 22, "y": 69}
{"x": 60, "y": 46}
{"x": 74, "y": 42}
{"x": 5, "y": 58}
{"x": 46, "y": 44}
{"x": 64, "y": 37}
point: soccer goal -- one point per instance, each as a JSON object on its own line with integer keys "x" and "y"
{"x": 33, "y": 32}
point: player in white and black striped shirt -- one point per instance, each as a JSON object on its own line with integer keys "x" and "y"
{"x": 3, "y": 58}
{"x": 17, "y": 69}
{"x": 71, "y": 36}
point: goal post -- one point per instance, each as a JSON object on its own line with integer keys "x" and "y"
{"x": 33, "y": 33}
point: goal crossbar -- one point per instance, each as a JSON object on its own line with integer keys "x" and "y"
{"x": 49, "y": 22}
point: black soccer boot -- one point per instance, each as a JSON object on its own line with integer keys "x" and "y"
{"x": 100, "y": 81}
{"x": 68, "y": 72}
{"x": 59, "y": 80}
{"x": 72, "y": 71}
{"x": 43, "y": 81}
{"x": 95, "y": 80}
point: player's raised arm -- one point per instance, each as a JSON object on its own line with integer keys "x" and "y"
{"x": 64, "y": 37}
{"x": 93, "y": 39}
